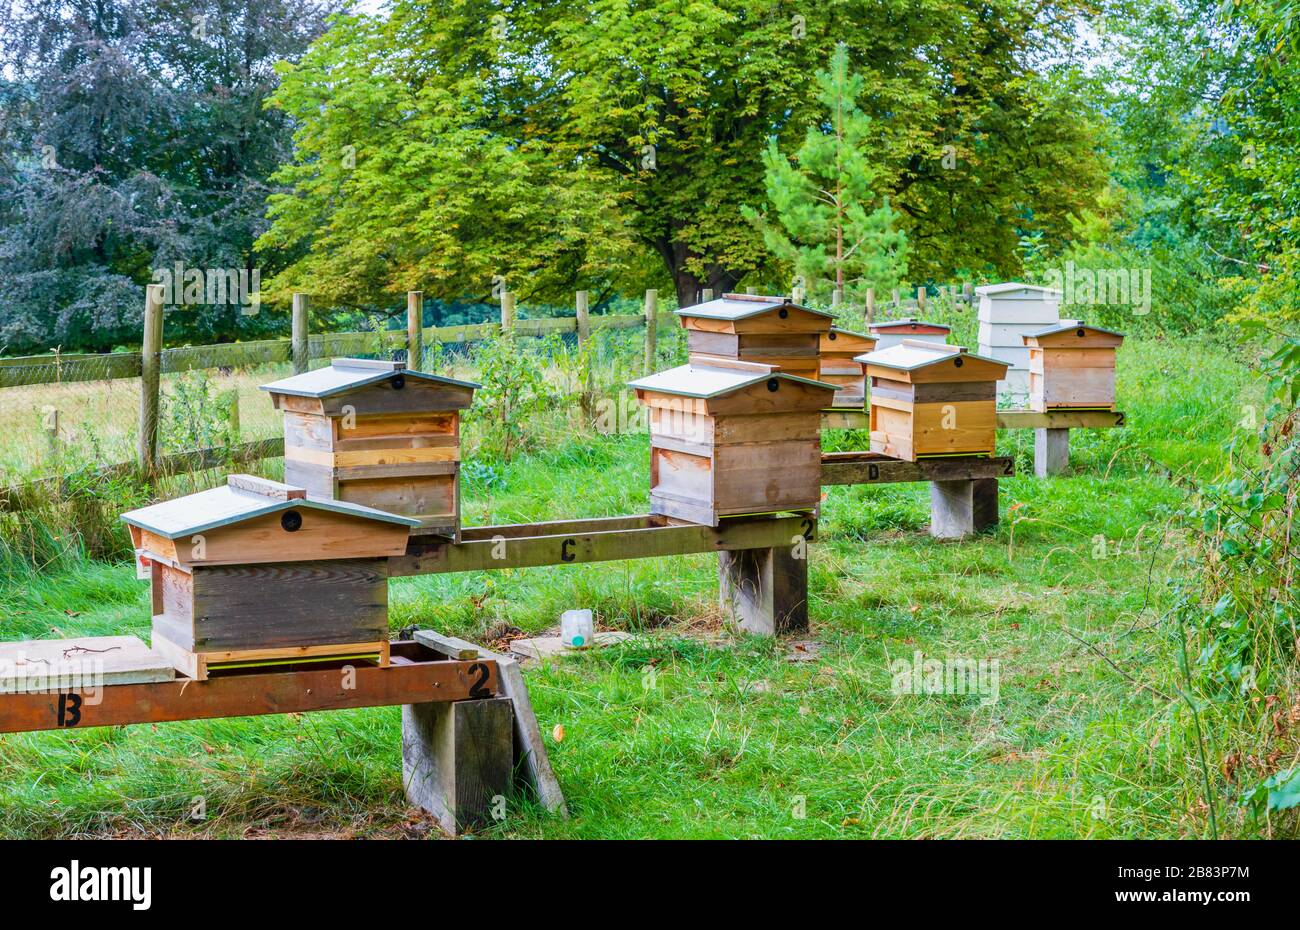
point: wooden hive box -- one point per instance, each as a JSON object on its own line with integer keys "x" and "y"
{"x": 733, "y": 438}
{"x": 890, "y": 333}
{"x": 750, "y": 328}
{"x": 839, "y": 365}
{"x": 376, "y": 434}
{"x": 258, "y": 572}
{"x": 930, "y": 401}
{"x": 1072, "y": 366}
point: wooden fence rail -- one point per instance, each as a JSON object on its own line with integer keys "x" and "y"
{"x": 58, "y": 369}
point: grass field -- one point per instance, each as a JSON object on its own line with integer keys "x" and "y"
{"x": 690, "y": 731}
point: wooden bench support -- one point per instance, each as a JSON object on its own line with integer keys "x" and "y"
{"x": 961, "y": 508}
{"x": 1051, "y": 451}
{"x": 458, "y": 759}
{"x": 764, "y": 591}
{"x": 532, "y": 766}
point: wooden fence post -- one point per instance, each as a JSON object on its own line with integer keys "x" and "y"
{"x": 920, "y": 302}
{"x": 50, "y": 421}
{"x": 871, "y": 305}
{"x": 651, "y": 328}
{"x": 507, "y": 311}
{"x": 584, "y": 320}
{"x": 301, "y": 347}
{"x": 414, "y": 330}
{"x": 968, "y": 292}
{"x": 706, "y": 295}
{"x": 232, "y": 416}
{"x": 150, "y": 378}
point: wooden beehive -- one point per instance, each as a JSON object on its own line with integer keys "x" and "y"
{"x": 1072, "y": 366}
{"x": 376, "y": 434}
{"x": 733, "y": 438}
{"x": 929, "y": 401}
{"x": 750, "y": 328}
{"x": 840, "y": 367}
{"x": 890, "y": 333}
{"x": 258, "y": 572}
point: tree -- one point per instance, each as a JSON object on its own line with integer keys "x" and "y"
{"x": 133, "y": 136}
{"x": 822, "y": 226}
{"x": 564, "y": 141}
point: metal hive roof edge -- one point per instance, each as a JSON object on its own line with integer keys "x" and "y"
{"x": 725, "y": 381}
{"x": 1066, "y": 325}
{"x": 225, "y": 506}
{"x": 330, "y": 380}
{"x": 992, "y": 289}
{"x": 724, "y": 308}
{"x": 913, "y": 321}
{"x": 905, "y": 357}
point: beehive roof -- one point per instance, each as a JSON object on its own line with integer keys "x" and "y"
{"x": 743, "y": 306}
{"x": 226, "y": 505}
{"x": 909, "y": 355}
{"x": 996, "y": 290}
{"x": 346, "y": 374}
{"x": 1066, "y": 325}
{"x": 706, "y": 381}
{"x": 908, "y": 323}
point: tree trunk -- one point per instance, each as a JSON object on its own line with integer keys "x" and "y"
{"x": 686, "y": 283}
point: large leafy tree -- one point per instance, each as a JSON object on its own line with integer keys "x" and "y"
{"x": 560, "y": 143}
{"x": 133, "y": 136}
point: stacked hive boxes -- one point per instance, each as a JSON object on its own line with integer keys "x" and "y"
{"x": 257, "y": 572}
{"x": 1007, "y": 313}
{"x": 840, "y": 367}
{"x": 931, "y": 400}
{"x": 750, "y": 328}
{"x": 373, "y": 433}
{"x": 731, "y": 438}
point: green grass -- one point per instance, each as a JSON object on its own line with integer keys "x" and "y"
{"x": 727, "y": 736}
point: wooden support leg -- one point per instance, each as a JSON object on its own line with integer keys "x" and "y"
{"x": 984, "y": 504}
{"x": 457, "y": 757}
{"x": 1051, "y": 451}
{"x": 952, "y": 509}
{"x": 764, "y": 591}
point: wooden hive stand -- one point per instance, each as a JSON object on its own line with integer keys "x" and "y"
{"x": 256, "y": 573}
{"x": 374, "y": 433}
{"x": 731, "y": 439}
{"x": 930, "y": 400}
{"x": 840, "y": 367}
{"x": 751, "y": 328}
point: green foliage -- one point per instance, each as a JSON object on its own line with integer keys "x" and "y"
{"x": 824, "y": 225}
{"x": 579, "y": 146}
{"x": 133, "y": 137}
{"x": 513, "y": 393}
{"x": 194, "y": 414}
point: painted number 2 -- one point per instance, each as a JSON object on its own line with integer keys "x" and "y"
{"x": 478, "y": 687}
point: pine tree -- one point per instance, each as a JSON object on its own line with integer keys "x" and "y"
{"x": 821, "y": 222}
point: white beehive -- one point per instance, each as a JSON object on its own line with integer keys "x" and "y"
{"x": 1007, "y": 313}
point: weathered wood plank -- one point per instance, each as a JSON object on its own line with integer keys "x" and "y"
{"x": 457, "y": 758}
{"x": 481, "y": 551}
{"x": 532, "y": 764}
{"x": 1006, "y": 419}
{"x": 407, "y": 681}
{"x": 876, "y": 468}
